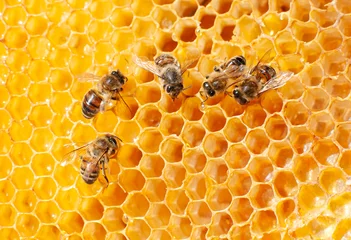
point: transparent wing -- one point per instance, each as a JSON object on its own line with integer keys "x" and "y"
{"x": 73, "y": 155}
{"x": 234, "y": 71}
{"x": 263, "y": 58}
{"x": 188, "y": 62}
{"x": 277, "y": 82}
{"x": 88, "y": 77}
{"x": 146, "y": 64}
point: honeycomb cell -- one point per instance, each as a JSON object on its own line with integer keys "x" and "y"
{"x": 9, "y": 233}
{"x": 115, "y": 235}
{"x": 246, "y": 22}
{"x": 128, "y": 131}
{"x": 149, "y": 116}
{"x": 214, "y": 120}
{"x": 199, "y": 232}
{"x": 204, "y": 42}
{"x": 150, "y": 140}
{"x": 60, "y": 80}
{"x": 21, "y": 173}
{"x": 5, "y": 119}
{"x": 243, "y": 8}
{"x": 281, "y": 154}
{"x": 16, "y": 37}
{"x": 257, "y": 141}
{"x": 148, "y": 93}
{"x": 151, "y": 165}
{"x": 311, "y": 51}
{"x": 344, "y": 162}
{"x": 241, "y": 210}
{"x": 71, "y": 222}
{"x": 180, "y": 227}
{"x": 164, "y": 17}
{"x": 65, "y": 175}
{"x": 185, "y": 8}
{"x": 6, "y": 166}
{"x": 38, "y": 47}
{"x": 47, "y": 211}
{"x": 138, "y": 229}
{"x": 221, "y": 224}
{"x": 42, "y": 140}
{"x": 121, "y": 17}
{"x": 48, "y": 232}
{"x": 237, "y": 156}
{"x": 305, "y": 168}
{"x": 301, "y": 139}
{"x": 18, "y": 83}
{"x": 300, "y": 10}
{"x": 343, "y": 136}
{"x": 94, "y": 230}
{"x": 261, "y": 169}
{"x": 218, "y": 198}
{"x": 112, "y": 219}
{"x": 342, "y": 6}
{"x": 67, "y": 199}
{"x": 15, "y": 16}
{"x": 60, "y": 57}
{"x": 239, "y": 182}
{"x": 262, "y": 196}
{"x": 333, "y": 62}
{"x": 196, "y": 186}
{"x": 291, "y": 62}
{"x": 18, "y": 60}
{"x": 165, "y": 42}
{"x": 285, "y": 184}
{"x": 177, "y": 201}
{"x": 4, "y": 96}
{"x": 40, "y": 116}
{"x": 35, "y": 6}
{"x": 264, "y": 221}
{"x": 27, "y": 225}
{"x": 276, "y": 127}
{"x": 206, "y": 18}
{"x": 193, "y": 134}
{"x": 158, "y": 215}
{"x": 131, "y": 180}
{"x": 45, "y": 188}
{"x": 254, "y": 116}
{"x": 185, "y": 30}
{"x": 325, "y": 152}
{"x": 155, "y": 190}
{"x": 58, "y": 35}
{"x": 143, "y": 27}
{"x": 271, "y": 102}
{"x": 172, "y": 150}
{"x": 344, "y": 25}
{"x": 310, "y": 198}
{"x": 25, "y": 201}
{"x": 330, "y": 39}
{"x": 284, "y": 210}
{"x": 313, "y": 75}
{"x": 129, "y": 155}
{"x": 296, "y": 113}
{"x": 36, "y": 25}
{"x": 174, "y": 175}
{"x": 217, "y": 171}
{"x": 18, "y": 107}
{"x": 215, "y": 145}
{"x": 7, "y": 191}
{"x": 171, "y": 124}
{"x": 199, "y": 212}
{"x": 194, "y": 160}
{"x": 39, "y": 70}
{"x": 285, "y": 43}
{"x": 304, "y": 31}
{"x": 100, "y": 9}
{"x": 332, "y": 180}
{"x": 91, "y": 209}
{"x": 8, "y": 215}
{"x": 339, "y": 87}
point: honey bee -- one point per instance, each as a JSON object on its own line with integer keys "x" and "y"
{"x": 260, "y": 79}
{"x": 217, "y": 81}
{"x": 168, "y": 69}
{"x": 97, "y": 154}
{"x": 108, "y": 88}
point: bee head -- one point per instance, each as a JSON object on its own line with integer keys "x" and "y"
{"x": 239, "y": 96}
{"x": 208, "y": 89}
{"x": 174, "y": 90}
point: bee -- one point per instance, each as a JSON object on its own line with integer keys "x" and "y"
{"x": 168, "y": 69}
{"x": 217, "y": 81}
{"x": 108, "y": 88}
{"x": 260, "y": 79}
{"x": 97, "y": 154}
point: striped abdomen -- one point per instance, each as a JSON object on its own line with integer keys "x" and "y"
{"x": 91, "y": 104}
{"x": 89, "y": 171}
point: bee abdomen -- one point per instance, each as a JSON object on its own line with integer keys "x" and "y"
{"x": 91, "y": 104}
{"x": 91, "y": 178}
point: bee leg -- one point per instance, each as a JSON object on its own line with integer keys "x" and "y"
{"x": 104, "y": 173}
{"x": 229, "y": 94}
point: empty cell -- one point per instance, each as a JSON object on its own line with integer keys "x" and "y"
{"x": 239, "y": 182}
{"x": 333, "y": 62}
{"x": 131, "y": 180}
{"x": 158, "y": 215}
{"x": 48, "y": 232}
{"x": 241, "y": 210}
{"x": 180, "y": 227}
{"x": 257, "y": 141}
{"x": 285, "y": 43}
{"x": 344, "y": 161}
{"x": 171, "y": 124}
{"x": 151, "y": 165}
{"x": 199, "y": 212}
{"x": 321, "y": 124}
{"x": 281, "y": 154}
{"x": 148, "y": 93}
{"x": 155, "y": 189}
{"x": 215, "y": 145}
{"x": 343, "y": 135}
{"x": 199, "y": 232}
{"x": 121, "y": 17}
{"x": 300, "y": 10}
{"x": 241, "y": 8}
{"x": 91, "y": 209}
{"x": 185, "y": 8}
{"x": 276, "y": 127}
{"x": 264, "y": 221}
{"x": 27, "y": 225}
{"x": 326, "y": 152}
{"x": 241, "y": 232}
{"x": 214, "y": 119}
{"x": 310, "y": 198}
{"x": 330, "y": 39}
{"x": 220, "y": 225}
{"x": 194, "y": 160}
{"x": 193, "y": 134}
{"x": 284, "y": 210}
{"x": 296, "y": 113}
{"x": 185, "y": 30}
{"x": 339, "y": 87}
{"x": 254, "y": 116}
{"x": 304, "y": 31}
{"x": 113, "y": 190}
{"x": 165, "y": 42}
{"x": 164, "y": 17}
{"x": 344, "y": 25}
{"x": 271, "y": 101}
{"x": 305, "y": 168}
{"x": 245, "y": 23}
{"x": 25, "y": 201}
{"x": 177, "y": 201}
{"x": 195, "y": 186}
{"x": 325, "y": 18}
{"x": 94, "y": 230}
{"x": 262, "y": 196}
{"x": 237, "y": 156}
{"x": 235, "y": 130}
{"x": 313, "y": 75}
{"x": 174, "y": 175}
{"x": 340, "y": 110}
{"x": 206, "y": 18}
{"x": 150, "y": 140}
{"x": 217, "y": 171}
{"x": 332, "y": 180}
{"x": 285, "y": 184}
{"x": 6, "y": 166}
{"x": 47, "y": 211}
{"x": 113, "y": 219}
{"x": 311, "y": 51}
{"x": 261, "y": 169}
{"x": 301, "y": 139}
{"x": 172, "y": 150}
{"x": 136, "y": 205}
{"x": 227, "y": 31}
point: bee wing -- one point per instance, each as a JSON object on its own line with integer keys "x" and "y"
{"x": 73, "y": 155}
{"x": 88, "y": 77}
{"x": 277, "y": 82}
{"x": 146, "y": 64}
{"x": 188, "y": 63}
{"x": 234, "y": 71}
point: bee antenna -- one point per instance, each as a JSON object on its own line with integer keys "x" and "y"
{"x": 187, "y": 88}
{"x": 259, "y": 61}
{"x": 125, "y": 103}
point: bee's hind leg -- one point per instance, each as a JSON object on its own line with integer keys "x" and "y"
{"x": 104, "y": 172}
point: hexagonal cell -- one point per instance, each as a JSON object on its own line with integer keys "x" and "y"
{"x": 301, "y": 139}
{"x": 42, "y": 140}
{"x": 240, "y": 210}
{"x": 237, "y": 156}
{"x": 264, "y": 221}
{"x": 172, "y": 150}
{"x": 174, "y": 175}
{"x": 254, "y": 116}
{"x": 18, "y": 83}
{"x": 155, "y": 190}
{"x": 68, "y": 199}
{"x": 185, "y": 30}
{"x": 158, "y": 215}
{"x": 239, "y": 182}
{"x": 262, "y": 196}
{"x": 40, "y": 116}
{"x": 225, "y": 28}
{"x": 148, "y": 93}
{"x": 284, "y": 209}
{"x": 244, "y": 23}
{"x": 8, "y": 215}
{"x": 121, "y": 17}
{"x": 47, "y": 211}
{"x": 17, "y": 177}
{"x": 94, "y": 230}
{"x": 281, "y": 154}
{"x": 296, "y": 113}
{"x": 150, "y": 140}
{"x": 18, "y": 60}
{"x": 171, "y": 124}
{"x": 25, "y": 201}
{"x": 9, "y": 233}
{"x": 344, "y": 162}
{"x": 195, "y": 186}
{"x": 332, "y": 180}
{"x": 129, "y": 155}
{"x": 65, "y": 175}
{"x": 261, "y": 169}
{"x": 15, "y": 37}
{"x": 339, "y": 204}
{"x": 193, "y": 134}
{"x": 112, "y": 219}
{"x": 342, "y": 230}
{"x": 344, "y": 25}
{"x": 36, "y": 25}
{"x": 164, "y": 17}
{"x": 290, "y": 62}
{"x": 215, "y": 145}
{"x": 339, "y": 87}
{"x": 214, "y": 120}
{"x": 206, "y": 18}
{"x": 305, "y": 168}
{"x": 276, "y": 127}
{"x": 243, "y": 8}
{"x": 180, "y": 227}
{"x": 293, "y": 89}
{"x": 326, "y": 152}
{"x": 152, "y": 165}
{"x": 185, "y": 8}
{"x": 71, "y": 222}
{"x": 221, "y": 223}
{"x": 91, "y": 209}
{"x": 313, "y": 75}
{"x": 15, "y": 16}
{"x": 304, "y": 31}
{"x": 113, "y": 189}
{"x": 131, "y": 180}
{"x": 21, "y": 154}
{"x": 235, "y": 130}
{"x": 160, "y": 234}
{"x": 18, "y": 107}
{"x": 128, "y": 131}
{"x": 149, "y": 116}
{"x": 300, "y": 10}
{"x": 257, "y": 141}
{"x": 27, "y": 225}
{"x": 330, "y": 39}
{"x": 138, "y": 229}
{"x": 7, "y": 191}
{"x": 199, "y": 213}
{"x": 310, "y": 198}
{"x": 217, "y": 171}
{"x": 177, "y": 201}
{"x": 285, "y": 184}
{"x": 343, "y": 135}
{"x": 191, "y": 109}
{"x": 6, "y": 166}
{"x": 285, "y": 43}
{"x": 333, "y": 62}
{"x": 48, "y": 232}
{"x": 143, "y": 27}
{"x": 194, "y": 160}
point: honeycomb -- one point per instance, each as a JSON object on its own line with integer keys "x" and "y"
{"x": 278, "y": 168}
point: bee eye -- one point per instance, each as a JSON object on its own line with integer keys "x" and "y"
{"x": 207, "y": 77}
{"x": 169, "y": 89}
{"x": 211, "y": 93}
{"x": 236, "y": 93}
